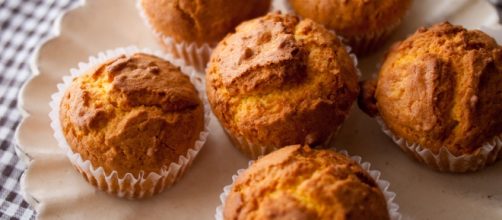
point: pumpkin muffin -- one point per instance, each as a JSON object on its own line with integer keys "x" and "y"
{"x": 279, "y": 80}
{"x": 364, "y": 24}
{"x": 131, "y": 116}
{"x": 297, "y": 182}
{"x": 196, "y": 26}
{"x": 440, "y": 91}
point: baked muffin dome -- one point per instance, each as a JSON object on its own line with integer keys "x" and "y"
{"x": 132, "y": 114}
{"x": 205, "y": 21}
{"x": 441, "y": 87}
{"x": 363, "y": 23}
{"x": 297, "y": 182}
{"x": 279, "y": 81}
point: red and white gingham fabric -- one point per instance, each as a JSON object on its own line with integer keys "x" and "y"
{"x": 23, "y": 25}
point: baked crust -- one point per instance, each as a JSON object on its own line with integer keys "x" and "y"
{"x": 297, "y": 182}
{"x": 354, "y": 17}
{"x": 364, "y": 24}
{"x": 200, "y": 21}
{"x": 132, "y": 114}
{"x": 280, "y": 81}
{"x": 442, "y": 87}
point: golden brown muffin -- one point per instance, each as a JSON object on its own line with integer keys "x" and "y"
{"x": 132, "y": 114}
{"x": 441, "y": 87}
{"x": 300, "y": 183}
{"x": 365, "y": 24}
{"x": 279, "y": 81}
{"x": 200, "y": 21}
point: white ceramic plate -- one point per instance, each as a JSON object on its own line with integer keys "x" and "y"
{"x": 57, "y": 191}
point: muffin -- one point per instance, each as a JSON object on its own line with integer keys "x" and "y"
{"x": 135, "y": 119}
{"x": 364, "y": 24}
{"x": 189, "y": 28}
{"x": 278, "y": 81}
{"x": 439, "y": 94}
{"x": 297, "y": 182}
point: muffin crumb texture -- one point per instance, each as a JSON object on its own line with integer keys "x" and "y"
{"x": 300, "y": 183}
{"x": 132, "y": 114}
{"x": 279, "y": 81}
{"x": 443, "y": 87}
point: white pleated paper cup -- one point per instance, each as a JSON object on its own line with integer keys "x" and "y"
{"x": 128, "y": 186}
{"x": 247, "y": 146}
{"x": 194, "y": 54}
{"x": 444, "y": 160}
{"x": 384, "y": 186}
{"x": 254, "y": 150}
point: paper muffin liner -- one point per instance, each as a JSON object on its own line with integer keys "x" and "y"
{"x": 445, "y": 161}
{"x": 129, "y": 186}
{"x": 384, "y": 186}
{"x": 253, "y": 150}
{"x": 194, "y": 54}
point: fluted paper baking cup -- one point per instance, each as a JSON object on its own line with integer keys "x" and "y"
{"x": 445, "y": 161}
{"x": 128, "y": 186}
{"x": 194, "y": 54}
{"x": 384, "y": 185}
{"x": 247, "y": 146}
{"x": 255, "y": 150}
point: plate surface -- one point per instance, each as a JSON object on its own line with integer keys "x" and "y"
{"x": 57, "y": 191}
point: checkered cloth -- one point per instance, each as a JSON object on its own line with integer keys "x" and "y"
{"x": 23, "y": 25}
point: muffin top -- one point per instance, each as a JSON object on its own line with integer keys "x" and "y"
{"x": 441, "y": 87}
{"x": 297, "y": 182}
{"x": 202, "y": 21}
{"x": 354, "y": 17}
{"x": 281, "y": 81}
{"x": 132, "y": 114}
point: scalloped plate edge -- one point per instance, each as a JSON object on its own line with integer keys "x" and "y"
{"x": 54, "y": 33}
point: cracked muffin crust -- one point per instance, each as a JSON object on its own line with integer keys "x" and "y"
{"x": 365, "y": 24}
{"x": 441, "y": 87}
{"x": 132, "y": 114}
{"x": 200, "y": 21}
{"x": 279, "y": 81}
{"x": 297, "y": 182}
